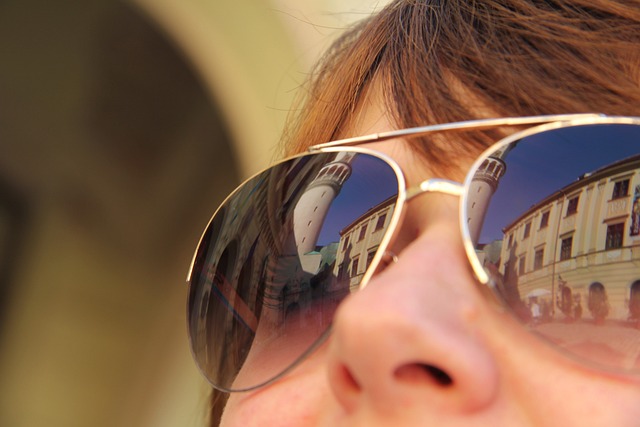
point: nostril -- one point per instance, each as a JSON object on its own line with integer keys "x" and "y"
{"x": 439, "y": 375}
{"x": 419, "y": 372}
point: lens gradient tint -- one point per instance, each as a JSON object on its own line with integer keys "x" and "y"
{"x": 279, "y": 256}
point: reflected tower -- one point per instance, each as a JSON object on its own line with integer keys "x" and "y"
{"x": 483, "y": 186}
{"x": 313, "y": 206}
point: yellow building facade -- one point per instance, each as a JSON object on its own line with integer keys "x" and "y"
{"x": 576, "y": 252}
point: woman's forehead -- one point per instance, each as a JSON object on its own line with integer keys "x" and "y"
{"x": 374, "y": 116}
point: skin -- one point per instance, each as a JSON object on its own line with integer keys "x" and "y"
{"x": 427, "y": 310}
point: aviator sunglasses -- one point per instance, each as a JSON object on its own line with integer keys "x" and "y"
{"x": 549, "y": 217}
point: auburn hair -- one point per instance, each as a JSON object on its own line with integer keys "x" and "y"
{"x": 440, "y": 61}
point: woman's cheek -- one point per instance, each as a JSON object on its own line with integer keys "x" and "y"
{"x": 301, "y": 398}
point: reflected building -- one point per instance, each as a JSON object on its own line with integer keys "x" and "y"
{"x": 577, "y": 251}
{"x": 280, "y": 225}
{"x": 253, "y": 239}
{"x": 270, "y": 259}
{"x": 360, "y": 240}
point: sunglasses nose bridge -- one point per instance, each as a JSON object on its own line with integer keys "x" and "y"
{"x": 436, "y": 185}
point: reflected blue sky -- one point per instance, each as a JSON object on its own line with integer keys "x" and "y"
{"x": 372, "y": 181}
{"x": 542, "y": 164}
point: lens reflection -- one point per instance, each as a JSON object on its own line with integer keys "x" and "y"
{"x": 279, "y": 256}
{"x": 557, "y": 215}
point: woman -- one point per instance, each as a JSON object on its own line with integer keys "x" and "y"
{"x": 422, "y": 344}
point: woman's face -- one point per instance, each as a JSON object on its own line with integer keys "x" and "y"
{"x": 422, "y": 346}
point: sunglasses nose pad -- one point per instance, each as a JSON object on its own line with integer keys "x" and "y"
{"x": 388, "y": 258}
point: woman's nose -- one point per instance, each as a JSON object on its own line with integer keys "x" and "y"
{"x": 410, "y": 339}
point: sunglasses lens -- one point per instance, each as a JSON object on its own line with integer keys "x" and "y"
{"x": 557, "y": 219}
{"x": 278, "y": 257}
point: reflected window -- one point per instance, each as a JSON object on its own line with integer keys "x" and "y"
{"x": 565, "y": 248}
{"x": 370, "y": 256}
{"x": 537, "y": 260}
{"x": 544, "y": 219}
{"x": 354, "y": 267}
{"x": 572, "y": 205}
{"x": 380, "y": 223}
{"x": 522, "y": 264}
{"x": 620, "y": 189}
{"x": 363, "y": 232}
{"x": 346, "y": 242}
{"x": 527, "y": 230}
{"x": 614, "y": 236}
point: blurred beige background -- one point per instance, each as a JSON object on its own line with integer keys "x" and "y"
{"x": 123, "y": 124}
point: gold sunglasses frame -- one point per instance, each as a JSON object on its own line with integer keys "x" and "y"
{"x": 439, "y": 185}
{"x": 538, "y": 124}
